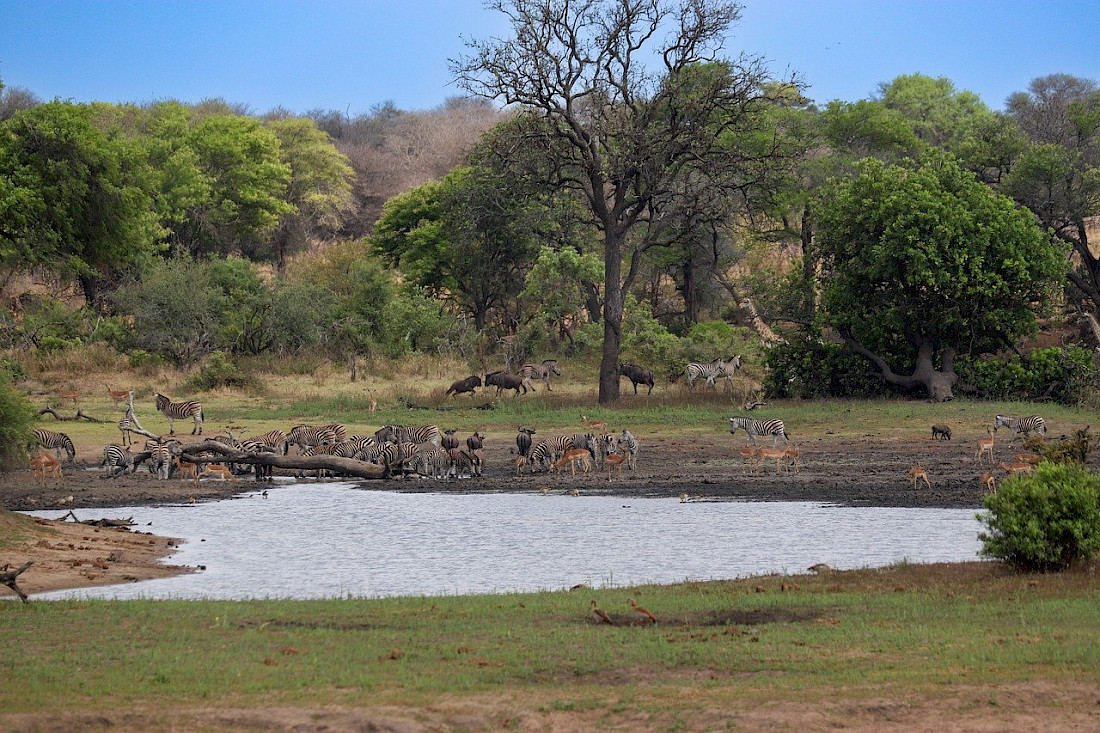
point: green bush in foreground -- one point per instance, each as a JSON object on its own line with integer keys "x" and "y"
{"x": 1045, "y": 521}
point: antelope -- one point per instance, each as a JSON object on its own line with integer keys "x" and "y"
{"x": 768, "y": 454}
{"x": 217, "y": 469}
{"x": 43, "y": 463}
{"x": 122, "y": 396}
{"x": 1032, "y": 458}
{"x": 572, "y": 458}
{"x": 985, "y": 446}
{"x": 594, "y": 425}
{"x": 988, "y": 482}
{"x": 791, "y": 454}
{"x": 1013, "y": 468}
{"x": 373, "y": 402}
{"x": 574, "y": 492}
{"x": 750, "y": 456}
{"x": 643, "y": 611}
{"x": 520, "y": 462}
{"x": 613, "y": 461}
{"x": 68, "y": 394}
{"x": 916, "y": 473}
{"x": 187, "y": 469}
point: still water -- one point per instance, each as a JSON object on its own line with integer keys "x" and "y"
{"x": 337, "y": 540}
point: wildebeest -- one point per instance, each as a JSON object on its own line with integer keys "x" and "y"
{"x": 469, "y": 384}
{"x": 449, "y": 440}
{"x": 523, "y": 441}
{"x": 503, "y": 380}
{"x": 941, "y": 431}
{"x": 475, "y": 441}
{"x": 637, "y": 375}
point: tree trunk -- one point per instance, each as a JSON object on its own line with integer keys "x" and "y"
{"x": 939, "y": 384}
{"x": 809, "y": 266}
{"x": 592, "y": 301}
{"x": 691, "y": 297}
{"x": 612, "y": 320}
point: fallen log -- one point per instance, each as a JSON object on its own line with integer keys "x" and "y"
{"x": 410, "y": 405}
{"x": 128, "y": 522}
{"x": 338, "y": 464}
{"x": 80, "y": 415}
{"x": 7, "y": 577}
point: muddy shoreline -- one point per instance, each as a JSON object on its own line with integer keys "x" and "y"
{"x": 843, "y": 471}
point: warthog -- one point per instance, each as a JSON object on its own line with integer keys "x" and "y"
{"x": 503, "y": 380}
{"x": 637, "y": 375}
{"x": 469, "y": 384}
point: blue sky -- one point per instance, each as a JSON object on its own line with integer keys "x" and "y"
{"x": 351, "y": 55}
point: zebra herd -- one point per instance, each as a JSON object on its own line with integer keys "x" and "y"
{"x": 550, "y": 453}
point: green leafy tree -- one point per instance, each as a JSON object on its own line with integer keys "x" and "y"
{"x": 319, "y": 188}
{"x": 922, "y": 264}
{"x": 72, "y": 198}
{"x": 1058, "y": 174}
{"x": 555, "y": 285}
{"x": 623, "y": 138}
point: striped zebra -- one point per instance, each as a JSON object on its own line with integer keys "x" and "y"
{"x": 588, "y": 442}
{"x": 160, "y": 458}
{"x": 305, "y": 436}
{"x": 179, "y": 411}
{"x": 541, "y": 372}
{"x": 353, "y": 445}
{"x": 710, "y": 372}
{"x": 1025, "y": 425}
{"x": 628, "y": 444}
{"x": 435, "y": 463}
{"x": 256, "y": 446}
{"x": 117, "y": 459}
{"x": 56, "y": 441}
{"x": 323, "y": 449}
{"x": 418, "y": 435}
{"x": 275, "y": 439}
{"x": 396, "y": 456}
{"x": 760, "y": 427}
{"x": 126, "y": 426}
{"x": 464, "y": 460}
{"x": 549, "y": 450}
{"x": 338, "y": 430}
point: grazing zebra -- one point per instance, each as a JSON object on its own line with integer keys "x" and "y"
{"x": 338, "y": 430}
{"x": 305, "y": 436}
{"x": 117, "y": 459}
{"x": 628, "y": 444}
{"x": 178, "y": 411}
{"x": 57, "y": 441}
{"x": 275, "y": 439}
{"x": 434, "y": 463}
{"x": 549, "y": 450}
{"x": 1025, "y": 425}
{"x": 541, "y": 371}
{"x": 760, "y": 427}
{"x": 710, "y": 372}
{"x": 353, "y": 445}
{"x": 422, "y": 434}
{"x": 523, "y": 441}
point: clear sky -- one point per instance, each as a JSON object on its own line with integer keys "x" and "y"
{"x": 351, "y": 55}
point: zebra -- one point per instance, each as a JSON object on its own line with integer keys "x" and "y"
{"x": 465, "y": 460}
{"x": 710, "y": 372}
{"x": 550, "y": 449}
{"x": 760, "y": 427}
{"x": 338, "y": 430}
{"x": 628, "y": 444}
{"x": 305, "y": 436}
{"x": 276, "y": 439}
{"x": 588, "y": 442}
{"x": 353, "y": 445}
{"x": 126, "y": 426}
{"x": 255, "y": 446}
{"x": 178, "y": 411}
{"x": 1025, "y": 425}
{"x": 323, "y": 449}
{"x": 434, "y": 463}
{"x": 57, "y": 441}
{"x": 117, "y": 459}
{"x": 422, "y": 434}
{"x": 610, "y": 444}
{"x": 160, "y": 457}
{"x": 541, "y": 371}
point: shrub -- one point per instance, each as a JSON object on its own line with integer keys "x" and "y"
{"x": 1045, "y": 521}
{"x": 808, "y": 368}
{"x": 16, "y": 419}
{"x": 221, "y": 371}
{"x": 1062, "y": 374}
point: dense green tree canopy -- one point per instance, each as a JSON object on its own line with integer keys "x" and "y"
{"x": 923, "y": 263}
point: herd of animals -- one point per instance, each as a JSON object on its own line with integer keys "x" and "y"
{"x": 426, "y": 451}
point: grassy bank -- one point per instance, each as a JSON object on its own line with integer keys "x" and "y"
{"x": 906, "y": 632}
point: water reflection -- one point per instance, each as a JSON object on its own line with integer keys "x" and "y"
{"x": 334, "y": 540}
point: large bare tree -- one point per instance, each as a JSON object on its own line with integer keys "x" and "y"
{"x": 628, "y": 137}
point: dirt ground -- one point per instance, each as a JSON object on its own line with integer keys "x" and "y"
{"x": 863, "y": 471}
